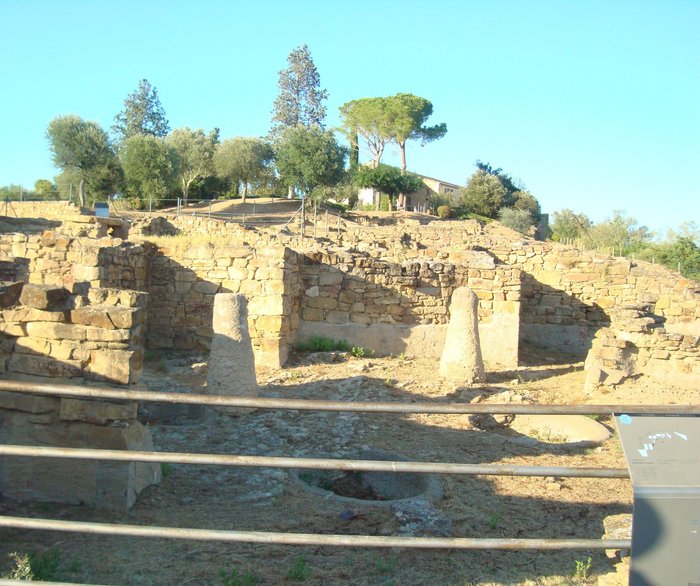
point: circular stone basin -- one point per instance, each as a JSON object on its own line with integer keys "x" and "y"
{"x": 561, "y": 429}
{"x": 375, "y": 488}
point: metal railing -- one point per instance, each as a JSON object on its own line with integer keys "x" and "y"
{"x": 58, "y": 390}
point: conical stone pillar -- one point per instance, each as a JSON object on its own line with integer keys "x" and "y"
{"x": 231, "y": 360}
{"x": 461, "y": 359}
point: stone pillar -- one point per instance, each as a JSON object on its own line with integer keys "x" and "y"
{"x": 461, "y": 359}
{"x": 231, "y": 360}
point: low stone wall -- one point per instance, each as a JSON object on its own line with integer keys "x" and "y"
{"x": 394, "y": 308}
{"x": 97, "y": 335}
{"x": 636, "y": 344}
{"x": 183, "y": 285}
{"x": 57, "y": 210}
{"x": 56, "y": 258}
{"x": 32, "y": 420}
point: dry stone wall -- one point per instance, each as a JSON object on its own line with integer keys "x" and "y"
{"x": 566, "y": 293}
{"x": 56, "y": 258}
{"x": 635, "y": 344}
{"x": 98, "y": 335}
{"x": 183, "y": 285}
{"x": 396, "y": 307}
{"x": 32, "y": 420}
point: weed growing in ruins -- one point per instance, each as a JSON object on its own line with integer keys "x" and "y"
{"x": 35, "y": 567}
{"x": 166, "y": 469}
{"x": 299, "y": 572}
{"x": 236, "y": 578}
{"x": 22, "y": 569}
{"x": 323, "y": 344}
{"x": 402, "y": 357}
{"x": 494, "y": 520}
{"x": 581, "y": 568}
{"x": 360, "y": 352}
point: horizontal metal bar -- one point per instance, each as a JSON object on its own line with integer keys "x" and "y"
{"x": 310, "y": 538}
{"x": 345, "y": 406}
{"x": 312, "y": 463}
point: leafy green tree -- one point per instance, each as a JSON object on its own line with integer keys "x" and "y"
{"x": 484, "y": 194}
{"x": 387, "y": 180}
{"x": 515, "y": 219}
{"x": 505, "y": 179}
{"x": 11, "y": 192}
{"x": 45, "y": 189}
{"x": 371, "y": 119}
{"x": 620, "y": 233}
{"x": 142, "y": 114}
{"x": 150, "y": 168}
{"x": 524, "y": 200}
{"x": 246, "y": 160}
{"x": 308, "y": 157}
{"x": 300, "y": 99}
{"x": 81, "y": 146}
{"x": 195, "y": 152}
{"x": 408, "y": 115}
{"x": 567, "y": 226}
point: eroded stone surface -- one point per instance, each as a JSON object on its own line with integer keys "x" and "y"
{"x": 231, "y": 361}
{"x": 461, "y": 359}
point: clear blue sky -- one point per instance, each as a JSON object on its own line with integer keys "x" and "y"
{"x": 593, "y": 105}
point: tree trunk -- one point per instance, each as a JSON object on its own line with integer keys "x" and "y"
{"x": 81, "y": 192}
{"x": 245, "y": 191}
{"x": 185, "y": 191}
{"x": 402, "y": 196}
{"x": 290, "y": 192}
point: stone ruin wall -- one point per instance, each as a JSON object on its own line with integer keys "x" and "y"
{"x": 183, "y": 284}
{"x": 563, "y": 295}
{"x": 636, "y": 343}
{"x": 566, "y": 293}
{"x": 53, "y": 210}
{"x": 96, "y": 335}
{"x": 395, "y": 307}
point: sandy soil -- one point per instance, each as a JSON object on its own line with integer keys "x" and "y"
{"x": 276, "y": 500}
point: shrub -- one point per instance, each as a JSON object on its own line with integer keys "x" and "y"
{"x": 518, "y": 220}
{"x": 323, "y": 344}
{"x": 444, "y": 211}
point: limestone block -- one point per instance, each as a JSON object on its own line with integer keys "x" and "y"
{"x": 110, "y": 318}
{"x": 330, "y": 279}
{"x": 101, "y": 484}
{"x": 116, "y": 366}
{"x": 44, "y": 366}
{"x": 29, "y": 314}
{"x": 46, "y": 297}
{"x": 206, "y": 287}
{"x": 461, "y": 358}
{"x": 98, "y": 412}
{"x": 10, "y": 293}
{"x": 28, "y": 403}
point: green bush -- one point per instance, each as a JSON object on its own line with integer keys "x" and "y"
{"x": 444, "y": 212}
{"x": 323, "y": 344}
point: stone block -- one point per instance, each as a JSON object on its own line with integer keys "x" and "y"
{"x": 98, "y": 412}
{"x": 28, "y": 403}
{"x": 312, "y": 314}
{"x": 110, "y": 318}
{"x": 45, "y": 297}
{"x": 337, "y": 317}
{"x": 10, "y": 293}
{"x": 44, "y": 366}
{"x": 104, "y": 485}
{"x": 115, "y": 366}
{"x": 327, "y": 278}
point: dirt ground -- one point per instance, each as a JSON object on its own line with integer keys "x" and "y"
{"x": 276, "y": 500}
